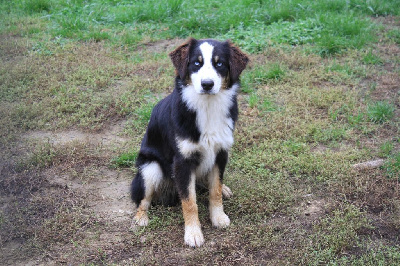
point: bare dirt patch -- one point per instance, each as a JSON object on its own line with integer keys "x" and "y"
{"x": 66, "y": 202}
{"x": 109, "y": 136}
{"x": 163, "y": 45}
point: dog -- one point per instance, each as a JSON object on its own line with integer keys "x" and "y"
{"x": 190, "y": 133}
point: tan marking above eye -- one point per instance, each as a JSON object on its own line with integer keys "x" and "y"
{"x": 216, "y": 58}
{"x": 200, "y": 58}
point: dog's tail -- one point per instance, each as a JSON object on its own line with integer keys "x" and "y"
{"x": 137, "y": 189}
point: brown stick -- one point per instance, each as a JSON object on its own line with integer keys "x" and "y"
{"x": 369, "y": 165}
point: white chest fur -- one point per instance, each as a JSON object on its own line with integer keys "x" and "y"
{"x": 214, "y": 123}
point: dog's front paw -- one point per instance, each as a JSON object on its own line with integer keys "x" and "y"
{"x": 220, "y": 219}
{"x": 193, "y": 236}
{"x": 226, "y": 191}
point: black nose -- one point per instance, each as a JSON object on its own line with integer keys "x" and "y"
{"x": 207, "y": 84}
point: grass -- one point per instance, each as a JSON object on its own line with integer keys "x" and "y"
{"x": 79, "y": 79}
{"x": 247, "y": 23}
{"x": 125, "y": 160}
{"x": 392, "y": 166}
{"x": 380, "y": 112}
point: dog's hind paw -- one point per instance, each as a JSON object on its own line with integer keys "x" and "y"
{"x": 193, "y": 236}
{"x": 140, "y": 219}
{"x": 226, "y": 191}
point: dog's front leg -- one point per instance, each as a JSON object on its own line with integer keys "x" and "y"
{"x": 186, "y": 182}
{"x": 217, "y": 214}
{"x": 193, "y": 235}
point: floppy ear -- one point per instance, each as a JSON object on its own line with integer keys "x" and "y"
{"x": 237, "y": 62}
{"x": 180, "y": 57}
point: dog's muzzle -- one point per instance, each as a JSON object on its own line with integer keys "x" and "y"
{"x": 207, "y": 85}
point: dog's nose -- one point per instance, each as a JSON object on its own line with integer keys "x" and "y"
{"x": 207, "y": 84}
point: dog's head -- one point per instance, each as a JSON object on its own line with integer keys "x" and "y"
{"x": 208, "y": 65}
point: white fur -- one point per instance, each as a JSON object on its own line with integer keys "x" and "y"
{"x": 206, "y": 72}
{"x": 218, "y": 217}
{"x": 187, "y": 147}
{"x": 214, "y": 123}
{"x": 193, "y": 236}
{"x": 152, "y": 176}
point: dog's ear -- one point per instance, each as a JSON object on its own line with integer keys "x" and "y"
{"x": 180, "y": 57}
{"x": 237, "y": 62}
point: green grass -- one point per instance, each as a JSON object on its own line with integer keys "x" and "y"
{"x": 371, "y": 58}
{"x": 125, "y": 159}
{"x": 394, "y": 35}
{"x": 261, "y": 75}
{"x": 392, "y": 166}
{"x": 332, "y": 26}
{"x": 380, "y": 112}
{"x": 339, "y": 232}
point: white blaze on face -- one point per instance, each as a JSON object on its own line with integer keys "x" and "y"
{"x": 206, "y": 72}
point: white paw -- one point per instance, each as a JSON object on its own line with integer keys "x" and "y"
{"x": 226, "y": 191}
{"x": 193, "y": 236}
{"x": 220, "y": 219}
{"x": 141, "y": 219}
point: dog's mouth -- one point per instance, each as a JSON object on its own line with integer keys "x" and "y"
{"x": 205, "y": 92}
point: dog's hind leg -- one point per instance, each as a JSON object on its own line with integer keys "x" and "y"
{"x": 145, "y": 183}
{"x": 226, "y": 191}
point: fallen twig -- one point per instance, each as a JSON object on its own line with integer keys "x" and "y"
{"x": 369, "y": 164}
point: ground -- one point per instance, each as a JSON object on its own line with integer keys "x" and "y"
{"x": 70, "y": 117}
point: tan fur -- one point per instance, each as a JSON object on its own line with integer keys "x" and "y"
{"x": 141, "y": 217}
{"x": 215, "y": 187}
{"x": 190, "y": 212}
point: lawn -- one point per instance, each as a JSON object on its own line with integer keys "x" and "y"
{"x": 315, "y": 167}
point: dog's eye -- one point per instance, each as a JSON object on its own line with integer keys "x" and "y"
{"x": 197, "y": 63}
{"x": 219, "y": 64}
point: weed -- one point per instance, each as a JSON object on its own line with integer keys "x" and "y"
{"x": 394, "y": 35}
{"x": 42, "y": 156}
{"x": 355, "y": 119}
{"x": 380, "y": 112}
{"x": 392, "y": 166}
{"x": 268, "y": 106}
{"x": 253, "y": 100}
{"x": 37, "y": 6}
{"x": 125, "y": 159}
{"x": 143, "y": 114}
{"x": 386, "y": 148}
{"x": 326, "y": 135}
{"x": 98, "y": 36}
{"x": 261, "y": 75}
{"x": 372, "y": 59}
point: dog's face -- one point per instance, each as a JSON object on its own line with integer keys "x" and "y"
{"x": 208, "y": 65}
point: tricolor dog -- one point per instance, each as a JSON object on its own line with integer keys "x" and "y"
{"x": 190, "y": 133}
